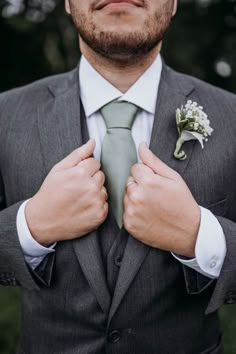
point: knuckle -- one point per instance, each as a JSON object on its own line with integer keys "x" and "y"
{"x": 93, "y": 188}
{"x": 94, "y": 162}
{"x": 149, "y": 180}
{"x": 73, "y": 173}
{"x": 81, "y": 171}
{"x": 130, "y": 211}
{"x": 101, "y": 175}
{"x": 127, "y": 223}
{"x": 136, "y": 168}
{"x": 126, "y": 201}
{"x": 135, "y": 198}
{"x": 97, "y": 202}
{"x": 101, "y": 214}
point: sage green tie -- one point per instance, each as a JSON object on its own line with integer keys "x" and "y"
{"x": 118, "y": 152}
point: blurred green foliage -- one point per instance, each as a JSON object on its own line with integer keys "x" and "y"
{"x": 9, "y": 319}
{"x": 38, "y": 39}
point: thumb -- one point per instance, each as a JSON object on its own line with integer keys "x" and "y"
{"x": 77, "y": 155}
{"x": 153, "y": 162}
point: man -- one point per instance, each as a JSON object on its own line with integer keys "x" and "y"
{"x": 118, "y": 248}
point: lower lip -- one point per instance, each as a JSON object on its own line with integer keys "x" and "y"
{"x": 119, "y": 6}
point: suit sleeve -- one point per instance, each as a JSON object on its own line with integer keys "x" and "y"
{"x": 33, "y": 251}
{"x": 223, "y": 288}
{"x": 13, "y": 268}
{"x": 210, "y": 249}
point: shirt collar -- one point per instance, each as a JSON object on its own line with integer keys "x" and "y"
{"x": 142, "y": 93}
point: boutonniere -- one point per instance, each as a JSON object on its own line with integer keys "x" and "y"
{"x": 192, "y": 124}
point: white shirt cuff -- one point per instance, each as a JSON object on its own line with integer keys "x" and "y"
{"x": 31, "y": 248}
{"x": 210, "y": 249}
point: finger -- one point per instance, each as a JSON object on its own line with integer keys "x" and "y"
{"x": 88, "y": 167}
{"x": 125, "y": 202}
{"x": 130, "y": 182}
{"x": 104, "y": 192}
{"x": 140, "y": 172}
{"x": 106, "y": 208}
{"x": 99, "y": 178}
{"x": 153, "y": 162}
{"x": 71, "y": 160}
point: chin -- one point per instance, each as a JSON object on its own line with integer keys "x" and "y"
{"x": 120, "y": 24}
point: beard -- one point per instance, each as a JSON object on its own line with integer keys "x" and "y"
{"x": 120, "y": 47}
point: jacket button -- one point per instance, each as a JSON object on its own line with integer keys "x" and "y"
{"x": 114, "y": 336}
{"x": 231, "y": 297}
{"x": 118, "y": 261}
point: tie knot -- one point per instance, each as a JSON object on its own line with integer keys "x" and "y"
{"x": 119, "y": 114}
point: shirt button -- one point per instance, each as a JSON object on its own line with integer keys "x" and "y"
{"x": 230, "y": 298}
{"x": 118, "y": 261}
{"x": 114, "y": 336}
{"x": 213, "y": 264}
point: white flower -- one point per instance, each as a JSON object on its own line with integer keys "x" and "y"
{"x": 192, "y": 123}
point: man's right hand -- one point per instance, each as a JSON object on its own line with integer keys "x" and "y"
{"x": 71, "y": 201}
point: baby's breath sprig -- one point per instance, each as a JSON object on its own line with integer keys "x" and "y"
{"x": 192, "y": 123}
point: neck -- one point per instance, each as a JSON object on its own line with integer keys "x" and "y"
{"x": 113, "y": 71}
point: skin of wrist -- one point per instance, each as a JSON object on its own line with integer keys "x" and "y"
{"x": 32, "y": 219}
{"x": 193, "y": 234}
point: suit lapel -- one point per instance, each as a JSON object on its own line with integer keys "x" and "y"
{"x": 134, "y": 255}
{"x": 59, "y": 124}
{"x": 60, "y": 132}
{"x": 173, "y": 92}
{"x": 88, "y": 252}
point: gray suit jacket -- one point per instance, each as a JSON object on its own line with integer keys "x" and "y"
{"x": 158, "y": 305}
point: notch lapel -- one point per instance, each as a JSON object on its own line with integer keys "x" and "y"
{"x": 173, "y": 92}
{"x": 59, "y": 123}
{"x": 60, "y": 132}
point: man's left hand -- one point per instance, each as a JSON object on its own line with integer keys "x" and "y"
{"x": 159, "y": 209}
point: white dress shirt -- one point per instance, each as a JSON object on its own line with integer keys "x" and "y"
{"x": 96, "y": 92}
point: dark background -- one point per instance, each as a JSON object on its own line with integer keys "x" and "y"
{"x": 38, "y": 39}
